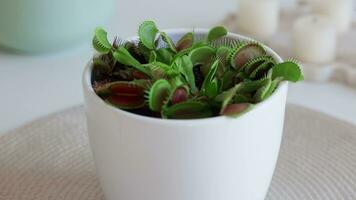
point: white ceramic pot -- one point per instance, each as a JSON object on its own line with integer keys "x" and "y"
{"x": 220, "y": 158}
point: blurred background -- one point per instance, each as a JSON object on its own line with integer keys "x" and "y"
{"x": 45, "y": 44}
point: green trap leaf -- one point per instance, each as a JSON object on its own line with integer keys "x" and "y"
{"x": 123, "y": 56}
{"x": 100, "y": 41}
{"x": 147, "y": 33}
{"x": 242, "y": 54}
{"x": 185, "y": 42}
{"x": 289, "y": 71}
{"x": 188, "y": 110}
{"x": 158, "y": 95}
{"x": 216, "y": 33}
{"x": 168, "y": 41}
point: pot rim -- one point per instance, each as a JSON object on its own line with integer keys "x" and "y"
{"x": 87, "y": 86}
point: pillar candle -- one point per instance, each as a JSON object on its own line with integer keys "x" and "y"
{"x": 258, "y": 18}
{"x": 314, "y": 39}
{"x": 340, "y": 11}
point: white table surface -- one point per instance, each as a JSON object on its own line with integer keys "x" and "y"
{"x": 34, "y": 86}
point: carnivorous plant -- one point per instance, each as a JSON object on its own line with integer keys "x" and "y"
{"x": 197, "y": 76}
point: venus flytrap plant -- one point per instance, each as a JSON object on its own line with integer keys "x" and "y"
{"x": 210, "y": 84}
{"x": 147, "y": 33}
{"x": 179, "y": 95}
{"x": 196, "y": 77}
{"x": 288, "y": 70}
{"x": 242, "y": 98}
{"x": 100, "y": 41}
{"x": 188, "y": 110}
{"x": 225, "y": 42}
{"x": 169, "y": 42}
{"x": 222, "y": 53}
{"x": 164, "y": 55}
{"x": 185, "y": 42}
{"x": 158, "y": 95}
{"x": 123, "y": 56}
{"x": 185, "y": 67}
{"x": 260, "y": 70}
{"x": 126, "y": 95}
{"x": 236, "y": 110}
{"x": 244, "y": 52}
{"x": 216, "y": 33}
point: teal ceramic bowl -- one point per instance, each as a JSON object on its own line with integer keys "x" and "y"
{"x": 49, "y": 25}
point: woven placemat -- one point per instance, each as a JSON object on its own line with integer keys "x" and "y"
{"x": 50, "y": 159}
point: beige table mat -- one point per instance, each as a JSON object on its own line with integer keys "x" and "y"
{"x": 50, "y": 159}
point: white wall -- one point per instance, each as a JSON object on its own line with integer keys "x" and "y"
{"x": 170, "y": 13}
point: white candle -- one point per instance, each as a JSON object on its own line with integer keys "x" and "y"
{"x": 314, "y": 39}
{"x": 258, "y": 18}
{"x": 340, "y": 11}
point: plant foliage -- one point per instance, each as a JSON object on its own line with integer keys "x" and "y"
{"x": 196, "y": 77}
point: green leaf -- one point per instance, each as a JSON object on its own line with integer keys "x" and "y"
{"x": 216, "y": 33}
{"x": 144, "y": 51}
{"x": 188, "y": 110}
{"x": 212, "y": 88}
{"x": 185, "y": 66}
{"x": 273, "y": 87}
{"x": 226, "y": 42}
{"x": 161, "y": 70}
{"x": 241, "y": 76}
{"x": 187, "y": 50}
{"x": 158, "y": 95}
{"x": 164, "y": 55}
{"x": 147, "y": 33}
{"x": 223, "y": 54}
{"x": 262, "y": 69}
{"x": 242, "y": 98}
{"x": 176, "y": 81}
{"x": 226, "y": 97}
{"x": 236, "y": 110}
{"x": 262, "y": 93}
{"x": 205, "y": 68}
{"x": 202, "y": 55}
{"x": 209, "y": 79}
{"x": 228, "y": 79}
{"x": 289, "y": 71}
{"x": 123, "y": 56}
{"x": 100, "y": 41}
{"x": 252, "y": 86}
{"x": 242, "y": 54}
{"x": 153, "y": 57}
{"x": 185, "y": 42}
{"x": 251, "y": 65}
{"x": 168, "y": 41}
